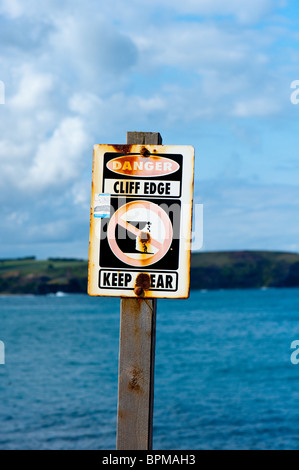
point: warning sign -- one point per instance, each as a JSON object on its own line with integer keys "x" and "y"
{"x": 141, "y": 220}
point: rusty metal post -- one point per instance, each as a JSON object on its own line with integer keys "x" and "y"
{"x": 137, "y": 357}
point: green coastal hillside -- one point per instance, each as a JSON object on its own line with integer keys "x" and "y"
{"x": 244, "y": 269}
{"x": 31, "y": 276}
{"x": 212, "y": 270}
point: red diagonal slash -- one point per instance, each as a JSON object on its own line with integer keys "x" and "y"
{"x": 131, "y": 228}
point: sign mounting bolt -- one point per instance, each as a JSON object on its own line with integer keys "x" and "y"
{"x": 144, "y": 152}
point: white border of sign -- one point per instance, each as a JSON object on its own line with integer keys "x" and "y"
{"x": 185, "y": 226}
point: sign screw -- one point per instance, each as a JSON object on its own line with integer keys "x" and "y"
{"x": 138, "y": 291}
{"x": 144, "y": 152}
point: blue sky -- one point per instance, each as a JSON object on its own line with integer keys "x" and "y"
{"x": 215, "y": 75}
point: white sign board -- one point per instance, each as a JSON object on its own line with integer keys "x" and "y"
{"x": 141, "y": 213}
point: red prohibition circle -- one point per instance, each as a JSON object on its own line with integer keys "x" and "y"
{"x": 116, "y": 219}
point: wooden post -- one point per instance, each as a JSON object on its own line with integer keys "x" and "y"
{"x": 137, "y": 357}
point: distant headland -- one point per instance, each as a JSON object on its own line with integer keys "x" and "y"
{"x": 209, "y": 270}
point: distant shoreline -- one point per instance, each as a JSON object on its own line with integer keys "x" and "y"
{"x": 209, "y": 271}
{"x": 202, "y": 291}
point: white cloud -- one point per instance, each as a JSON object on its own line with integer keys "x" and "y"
{"x": 84, "y": 103}
{"x": 91, "y": 52}
{"x": 205, "y": 47}
{"x": 117, "y": 110}
{"x": 231, "y": 67}
{"x": 33, "y": 89}
{"x": 13, "y": 8}
{"x": 81, "y": 194}
{"x": 239, "y": 214}
{"x": 256, "y": 107}
{"x": 58, "y": 159}
{"x": 243, "y": 10}
{"x": 77, "y": 74}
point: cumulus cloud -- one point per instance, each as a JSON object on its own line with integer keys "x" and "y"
{"x": 256, "y": 107}
{"x": 227, "y": 68}
{"x": 239, "y": 214}
{"x": 239, "y": 10}
{"x": 33, "y": 88}
{"x": 26, "y": 36}
{"x": 243, "y": 10}
{"x": 58, "y": 159}
{"x": 77, "y": 74}
{"x": 12, "y": 8}
{"x": 90, "y": 53}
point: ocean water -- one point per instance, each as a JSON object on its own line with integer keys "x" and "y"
{"x": 223, "y": 376}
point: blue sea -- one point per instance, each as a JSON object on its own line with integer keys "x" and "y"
{"x": 223, "y": 376}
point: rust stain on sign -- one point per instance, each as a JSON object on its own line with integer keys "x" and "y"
{"x": 122, "y": 148}
{"x": 143, "y": 283}
{"x": 145, "y": 152}
{"x": 143, "y": 280}
{"x": 142, "y": 184}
